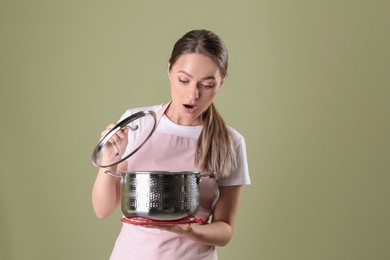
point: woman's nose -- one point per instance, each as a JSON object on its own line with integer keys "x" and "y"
{"x": 194, "y": 93}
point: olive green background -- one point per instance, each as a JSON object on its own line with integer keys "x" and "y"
{"x": 308, "y": 87}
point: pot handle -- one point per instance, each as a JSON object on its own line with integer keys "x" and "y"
{"x": 208, "y": 174}
{"x": 113, "y": 174}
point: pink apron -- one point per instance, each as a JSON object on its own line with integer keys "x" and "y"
{"x": 165, "y": 152}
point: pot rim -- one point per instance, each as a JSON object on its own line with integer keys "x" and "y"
{"x": 160, "y": 172}
{"x": 168, "y": 173}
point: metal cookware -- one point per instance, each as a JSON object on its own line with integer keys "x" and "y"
{"x": 156, "y": 195}
{"x": 164, "y": 196}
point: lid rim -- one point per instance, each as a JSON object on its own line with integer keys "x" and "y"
{"x": 115, "y": 129}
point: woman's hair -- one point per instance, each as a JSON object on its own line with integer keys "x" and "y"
{"x": 215, "y": 148}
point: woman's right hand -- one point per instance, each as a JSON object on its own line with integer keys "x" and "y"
{"x": 115, "y": 147}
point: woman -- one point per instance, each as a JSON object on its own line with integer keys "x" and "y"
{"x": 190, "y": 136}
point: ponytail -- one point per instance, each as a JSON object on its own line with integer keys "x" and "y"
{"x": 215, "y": 148}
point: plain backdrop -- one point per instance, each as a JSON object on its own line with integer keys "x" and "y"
{"x": 308, "y": 87}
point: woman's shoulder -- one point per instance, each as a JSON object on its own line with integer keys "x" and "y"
{"x": 132, "y": 111}
{"x": 236, "y": 136}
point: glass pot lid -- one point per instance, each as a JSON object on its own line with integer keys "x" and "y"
{"x": 114, "y": 147}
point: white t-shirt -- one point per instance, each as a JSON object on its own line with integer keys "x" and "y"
{"x": 238, "y": 176}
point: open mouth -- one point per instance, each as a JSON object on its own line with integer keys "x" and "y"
{"x": 190, "y": 108}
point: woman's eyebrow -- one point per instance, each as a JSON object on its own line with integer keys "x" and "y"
{"x": 189, "y": 75}
{"x": 208, "y": 77}
{"x": 184, "y": 72}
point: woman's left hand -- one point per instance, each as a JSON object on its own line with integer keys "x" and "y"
{"x": 220, "y": 230}
{"x": 179, "y": 229}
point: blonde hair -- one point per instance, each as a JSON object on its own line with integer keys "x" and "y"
{"x": 215, "y": 148}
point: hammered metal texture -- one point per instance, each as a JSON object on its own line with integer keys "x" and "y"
{"x": 160, "y": 196}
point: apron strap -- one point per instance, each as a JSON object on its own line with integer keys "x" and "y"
{"x": 161, "y": 112}
{"x": 147, "y": 130}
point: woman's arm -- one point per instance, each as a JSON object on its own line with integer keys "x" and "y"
{"x": 106, "y": 193}
{"x": 220, "y": 231}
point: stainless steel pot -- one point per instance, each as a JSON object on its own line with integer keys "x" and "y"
{"x": 160, "y": 195}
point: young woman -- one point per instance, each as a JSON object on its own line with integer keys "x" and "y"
{"x": 190, "y": 136}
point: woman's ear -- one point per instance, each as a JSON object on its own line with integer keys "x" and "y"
{"x": 168, "y": 69}
{"x": 220, "y": 85}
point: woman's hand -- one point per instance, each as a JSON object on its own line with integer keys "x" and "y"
{"x": 115, "y": 147}
{"x": 179, "y": 229}
{"x": 220, "y": 230}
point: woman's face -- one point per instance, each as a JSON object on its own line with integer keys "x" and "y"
{"x": 195, "y": 80}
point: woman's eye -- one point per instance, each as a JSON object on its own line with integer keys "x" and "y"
{"x": 183, "y": 81}
{"x": 207, "y": 85}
